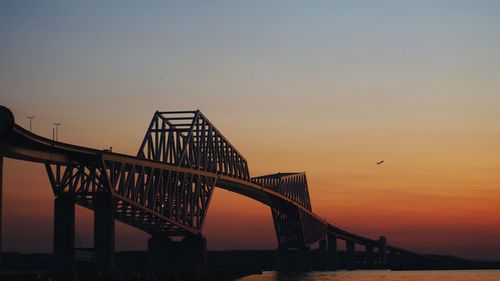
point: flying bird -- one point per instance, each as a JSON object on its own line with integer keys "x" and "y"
{"x": 380, "y": 162}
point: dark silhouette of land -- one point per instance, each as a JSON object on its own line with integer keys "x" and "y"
{"x": 221, "y": 265}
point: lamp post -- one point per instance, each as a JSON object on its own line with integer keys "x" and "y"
{"x": 30, "y": 118}
{"x": 56, "y": 136}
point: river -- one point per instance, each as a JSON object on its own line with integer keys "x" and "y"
{"x": 382, "y": 275}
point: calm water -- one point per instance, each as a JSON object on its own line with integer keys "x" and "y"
{"x": 372, "y": 275}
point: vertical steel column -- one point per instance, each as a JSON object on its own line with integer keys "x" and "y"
{"x": 350, "y": 255}
{"x": 64, "y": 237}
{"x": 104, "y": 230}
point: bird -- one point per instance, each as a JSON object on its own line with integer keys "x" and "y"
{"x": 380, "y": 162}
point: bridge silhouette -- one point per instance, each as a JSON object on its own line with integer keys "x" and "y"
{"x": 165, "y": 191}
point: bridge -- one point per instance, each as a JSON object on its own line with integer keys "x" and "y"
{"x": 165, "y": 190}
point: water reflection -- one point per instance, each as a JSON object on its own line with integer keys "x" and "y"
{"x": 371, "y": 275}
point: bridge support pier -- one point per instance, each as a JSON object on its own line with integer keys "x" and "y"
{"x": 294, "y": 260}
{"x": 331, "y": 252}
{"x": 104, "y": 231}
{"x": 321, "y": 262}
{"x": 164, "y": 253}
{"x": 194, "y": 251}
{"x": 382, "y": 249}
{"x": 369, "y": 261}
{"x": 64, "y": 237}
{"x": 350, "y": 255}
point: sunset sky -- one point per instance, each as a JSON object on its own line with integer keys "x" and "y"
{"x": 324, "y": 87}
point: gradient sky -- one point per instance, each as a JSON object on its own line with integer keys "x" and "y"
{"x": 324, "y": 87}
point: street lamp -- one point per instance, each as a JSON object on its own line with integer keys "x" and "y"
{"x": 56, "y": 136}
{"x": 30, "y": 118}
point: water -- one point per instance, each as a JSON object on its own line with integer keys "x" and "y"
{"x": 375, "y": 275}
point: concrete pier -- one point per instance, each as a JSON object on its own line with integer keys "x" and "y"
{"x": 294, "y": 259}
{"x": 350, "y": 255}
{"x": 332, "y": 258}
{"x": 162, "y": 252}
{"x": 320, "y": 261}
{"x": 368, "y": 258}
{"x": 104, "y": 231}
{"x": 382, "y": 249}
{"x": 165, "y": 253}
{"x": 194, "y": 251}
{"x": 64, "y": 237}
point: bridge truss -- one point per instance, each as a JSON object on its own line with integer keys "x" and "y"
{"x": 167, "y": 187}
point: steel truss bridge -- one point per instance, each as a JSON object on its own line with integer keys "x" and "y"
{"x": 166, "y": 189}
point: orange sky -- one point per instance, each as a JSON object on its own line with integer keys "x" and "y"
{"x": 328, "y": 88}
{"x": 435, "y": 193}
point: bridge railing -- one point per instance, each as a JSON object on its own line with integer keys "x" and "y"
{"x": 188, "y": 139}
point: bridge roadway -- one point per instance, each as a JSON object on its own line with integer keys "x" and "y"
{"x": 18, "y": 143}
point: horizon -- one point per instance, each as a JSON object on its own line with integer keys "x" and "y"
{"x": 329, "y": 88}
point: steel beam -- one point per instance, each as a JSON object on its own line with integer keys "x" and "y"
{"x": 289, "y": 228}
{"x": 191, "y": 141}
